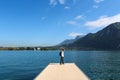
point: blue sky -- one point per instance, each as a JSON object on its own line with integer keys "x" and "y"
{"x": 48, "y": 22}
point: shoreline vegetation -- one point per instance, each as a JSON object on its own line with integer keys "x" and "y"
{"x": 29, "y": 48}
{"x": 53, "y": 48}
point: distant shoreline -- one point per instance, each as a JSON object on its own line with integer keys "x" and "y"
{"x": 51, "y": 48}
{"x": 28, "y": 48}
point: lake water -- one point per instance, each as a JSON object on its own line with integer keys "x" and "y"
{"x": 26, "y": 65}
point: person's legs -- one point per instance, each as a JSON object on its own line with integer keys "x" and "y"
{"x": 62, "y": 60}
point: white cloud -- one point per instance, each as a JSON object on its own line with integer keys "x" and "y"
{"x": 62, "y": 1}
{"x": 72, "y": 23}
{"x": 74, "y": 34}
{"x": 98, "y": 1}
{"x": 103, "y": 21}
{"x": 78, "y": 17}
{"x": 67, "y": 7}
{"x": 104, "y": 16}
{"x": 53, "y": 2}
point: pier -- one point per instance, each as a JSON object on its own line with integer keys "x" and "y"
{"x": 68, "y": 71}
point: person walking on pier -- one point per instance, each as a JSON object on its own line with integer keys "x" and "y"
{"x": 61, "y": 56}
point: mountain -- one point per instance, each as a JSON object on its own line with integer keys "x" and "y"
{"x": 105, "y": 39}
{"x": 70, "y": 41}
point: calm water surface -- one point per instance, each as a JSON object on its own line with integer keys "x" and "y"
{"x": 26, "y": 65}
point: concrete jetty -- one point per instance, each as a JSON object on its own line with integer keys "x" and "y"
{"x": 68, "y": 71}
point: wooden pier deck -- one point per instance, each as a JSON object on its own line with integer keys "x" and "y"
{"x": 68, "y": 71}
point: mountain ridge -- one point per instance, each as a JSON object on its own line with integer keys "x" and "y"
{"x": 69, "y": 41}
{"x": 106, "y": 39}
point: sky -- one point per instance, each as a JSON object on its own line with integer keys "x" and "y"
{"x": 49, "y": 22}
